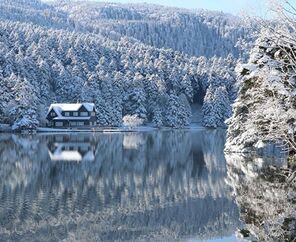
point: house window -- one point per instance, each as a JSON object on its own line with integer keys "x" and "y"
{"x": 59, "y": 138}
{"x": 75, "y": 114}
{"x": 59, "y": 124}
{"x": 73, "y": 123}
{"x": 93, "y": 114}
{"x": 84, "y": 114}
{"x": 80, "y": 123}
{"x": 67, "y": 114}
{"x": 52, "y": 114}
{"x": 92, "y": 123}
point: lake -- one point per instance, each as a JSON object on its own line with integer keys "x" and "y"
{"x": 149, "y": 186}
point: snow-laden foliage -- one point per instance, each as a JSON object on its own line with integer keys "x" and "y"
{"x": 49, "y": 54}
{"x": 132, "y": 121}
{"x": 217, "y": 107}
{"x": 265, "y": 111}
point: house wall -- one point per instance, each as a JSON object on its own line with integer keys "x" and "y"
{"x": 51, "y": 115}
{"x": 71, "y": 123}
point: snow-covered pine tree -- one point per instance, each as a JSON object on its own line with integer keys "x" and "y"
{"x": 25, "y": 110}
{"x": 264, "y": 112}
{"x": 135, "y": 103}
{"x": 217, "y": 107}
{"x": 177, "y": 112}
{"x": 157, "y": 118}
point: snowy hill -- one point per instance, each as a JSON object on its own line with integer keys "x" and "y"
{"x": 33, "y": 11}
{"x": 197, "y": 33}
{"x": 127, "y": 59}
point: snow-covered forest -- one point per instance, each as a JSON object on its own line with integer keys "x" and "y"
{"x": 144, "y": 60}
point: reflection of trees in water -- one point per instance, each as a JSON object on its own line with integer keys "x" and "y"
{"x": 160, "y": 184}
{"x": 265, "y": 197}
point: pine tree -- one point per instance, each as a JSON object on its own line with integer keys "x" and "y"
{"x": 177, "y": 114}
{"x": 134, "y": 103}
{"x": 157, "y": 119}
{"x": 216, "y": 108}
{"x": 25, "y": 111}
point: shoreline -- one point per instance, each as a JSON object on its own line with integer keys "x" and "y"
{"x": 148, "y": 128}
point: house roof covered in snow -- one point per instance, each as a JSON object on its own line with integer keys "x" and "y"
{"x": 72, "y": 118}
{"x": 70, "y": 107}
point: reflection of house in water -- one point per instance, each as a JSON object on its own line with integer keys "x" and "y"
{"x": 71, "y": 148}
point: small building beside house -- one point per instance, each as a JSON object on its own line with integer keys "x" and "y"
{"x": 71, "y": 115}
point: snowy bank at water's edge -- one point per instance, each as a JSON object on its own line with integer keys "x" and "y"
{"x": 98, "y": 129}
{"x": 5, "y": 128}
{"x": 119, "y": 129}
{"x": 261, "y": 148}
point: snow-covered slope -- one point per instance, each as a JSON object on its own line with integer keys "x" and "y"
{"x": 197, "y": 33}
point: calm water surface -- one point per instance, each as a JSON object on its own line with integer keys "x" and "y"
{"x": 152, "y": 186}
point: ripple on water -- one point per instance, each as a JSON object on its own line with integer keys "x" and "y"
{"x": 159, "y": 186}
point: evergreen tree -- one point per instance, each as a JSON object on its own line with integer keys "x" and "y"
{"x": 25, "y": 111}
{"x": 177, "y": 114}
{"x": 134, "y": 103}
{"x": 157, "y": 119}
{"x": 216, "y": 108}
